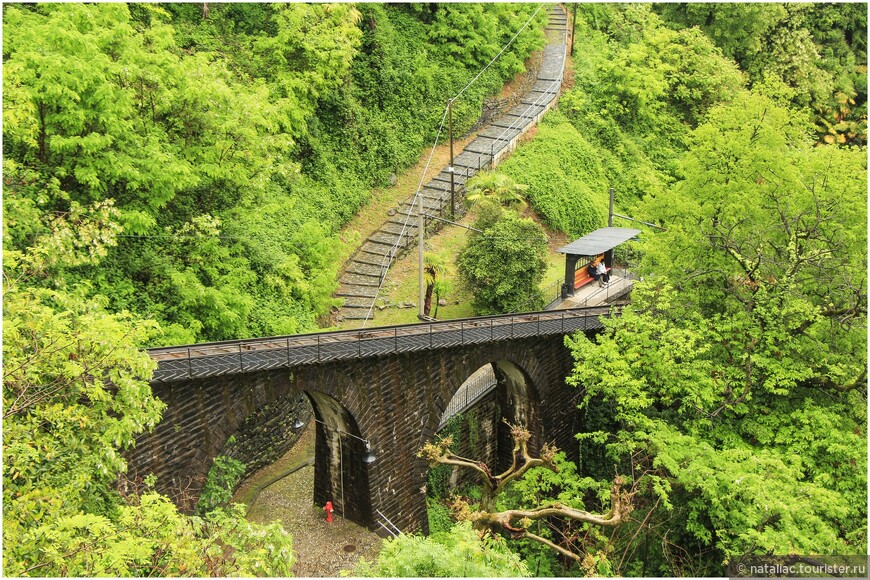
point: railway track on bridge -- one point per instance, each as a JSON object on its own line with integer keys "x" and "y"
{"x": 243, "y": 356}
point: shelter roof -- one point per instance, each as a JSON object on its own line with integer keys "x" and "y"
{"x": 599, "y": 241}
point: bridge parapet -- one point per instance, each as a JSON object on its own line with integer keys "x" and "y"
{"x": 243, "y": 356}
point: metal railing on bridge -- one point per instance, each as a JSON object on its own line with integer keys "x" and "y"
{"x": 240, "y": 356}
{"x": 475, "y": 387}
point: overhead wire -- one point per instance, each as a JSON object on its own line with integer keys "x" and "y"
{"x": 388, "y": 258}
{"x": 504, "y": 48}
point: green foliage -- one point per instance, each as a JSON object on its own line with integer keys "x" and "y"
{"x": 150, "y": 538}
{"x": 466, "y": 33}
{"x": 459, "y": 552}
{"x": 753, "y": 164}
{"x": 181, "y": 134}
{"x": 74, "y": 389}
{"x": 638, "y": 91}
{"x": 754, "y": 475}
{"x": 442, "y": 288}
{"x": 233, "y": 140}
{"x": 638, "y": 94}
{"x": 433, "y": 266}
{"x": 813, "y": 55}
{"x": 740, "y": 398}
{"x": 221, "y": 482}
{"x": 75, "y": 396}
{"x": 438, "y": 514}
{"x": 308, "y": 57}
{"x": 497, "y": 186}
{"x": 438, "y": 477}
{"x": 567, "y": 185}
{"x": 486, "y": 213}
{"x": 740, "y": 31}
{"x": 473, "y": 430}
{"x": 470, "y": 35}
{"x": 543, "y": 486}
{"x": 663, "y": 69}
{"x": 504, "y": 265}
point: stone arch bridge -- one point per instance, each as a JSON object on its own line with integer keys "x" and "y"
{"x": 378, "y": 392}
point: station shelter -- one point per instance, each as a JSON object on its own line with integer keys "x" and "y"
{"x": 589, "y": 249}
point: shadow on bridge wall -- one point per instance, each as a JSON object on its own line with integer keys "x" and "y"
{"x": 395, "y": 402}
{"x": 519, "y": 404}
{"x": 340, "y": 470}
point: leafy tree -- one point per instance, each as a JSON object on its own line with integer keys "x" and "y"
{"x": 812, "y": 55}
{"x": 563, "y": 484}
{"x": 433, "y": 264}
{"x": 457, "y": 553}
{"x": 146, "y": 128}
{"x": 75, "y": 396}
{"x": 486, "y": 214}
{"x": 473, "y": 34}
{"x": 752, "y": 164}
{"x": 150, "y": 538}
{"x": 504, "y": 265}
{"x": 736, "y": 380}
{"x": 69, "y": 66}
{"x": 466, "y": 33}
{"x": 309, "y": 55}
{"x": 751, "y": 461}
{"x": 221, "y": 482}
{"x": 739, "y": 30}
{"x": 661, "y": 71}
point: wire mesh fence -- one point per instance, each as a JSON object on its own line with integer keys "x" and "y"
{"x": 476, "y": 387}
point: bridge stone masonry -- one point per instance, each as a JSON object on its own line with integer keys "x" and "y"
{"x": 377, "y": 395}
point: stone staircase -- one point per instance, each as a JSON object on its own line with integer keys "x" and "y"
{"x": 365, "y": 271}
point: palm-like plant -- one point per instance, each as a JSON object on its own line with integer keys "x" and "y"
{"x": 432, "y": 265}
{"x": 499, "y": 187}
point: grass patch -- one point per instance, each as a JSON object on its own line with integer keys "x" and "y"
{"x": 402, "y": 286}
{"x": 373, "y": 215}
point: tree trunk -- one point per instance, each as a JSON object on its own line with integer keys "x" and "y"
{"x": 427, "y": 304}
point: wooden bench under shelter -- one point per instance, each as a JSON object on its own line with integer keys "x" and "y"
{"x": 591, "y": 248}
{"x": 582, "y": 276}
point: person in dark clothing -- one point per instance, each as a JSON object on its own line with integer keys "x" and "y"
{"x": 602, "y": 273}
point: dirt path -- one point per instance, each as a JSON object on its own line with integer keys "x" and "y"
{"x": 323, "y": 550}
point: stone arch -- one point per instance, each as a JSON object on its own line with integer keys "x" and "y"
{"x": 341, "y": 473}
{"x": 500, "y": 394}
{"x": 522, "y": 381}
{"x": 516, "y": 399}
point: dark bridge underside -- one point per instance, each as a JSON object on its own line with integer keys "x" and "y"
{"x": 387, "y": 386}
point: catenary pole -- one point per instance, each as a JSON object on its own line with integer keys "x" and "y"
{"x": 610, "y": 211}
{"x": 420, "y": 228}
{"x": 451, "y": 169}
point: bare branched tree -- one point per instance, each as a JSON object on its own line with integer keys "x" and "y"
{"x": 516, "y": 522}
